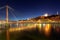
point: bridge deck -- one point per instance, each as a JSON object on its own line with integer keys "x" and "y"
{"x": 20, "y": 29}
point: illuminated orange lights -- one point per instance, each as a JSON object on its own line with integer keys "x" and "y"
{"x": 47, "y": 29}
{"x": 20, "y": 28}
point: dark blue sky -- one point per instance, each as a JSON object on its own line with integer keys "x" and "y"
{"x": 29, "y": 8}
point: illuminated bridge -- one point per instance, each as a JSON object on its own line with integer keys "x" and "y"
{"x": 14, "y": 26}
{"x": 27, "y": 24}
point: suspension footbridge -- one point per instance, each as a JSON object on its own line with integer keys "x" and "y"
{"x": 14, "y": 26}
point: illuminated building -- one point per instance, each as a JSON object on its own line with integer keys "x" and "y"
{"x": 44, "y": 23}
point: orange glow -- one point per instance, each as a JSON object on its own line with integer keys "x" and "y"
{"x": 20, "y": 28}
{"x": 7, "y": 33}
{"x": 47, "y": 29}
{"x": 0, "y": 22}
{"x": 15, "y": 29}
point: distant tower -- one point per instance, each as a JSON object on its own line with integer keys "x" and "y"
{"x": 57, "y": 12}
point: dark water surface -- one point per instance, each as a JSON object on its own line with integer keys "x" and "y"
{"x": 31, "y": 35}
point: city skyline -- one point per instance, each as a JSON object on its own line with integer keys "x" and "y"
{"x": 24, "y": 9}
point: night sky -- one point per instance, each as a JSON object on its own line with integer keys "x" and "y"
{"x": 24, "y": 9}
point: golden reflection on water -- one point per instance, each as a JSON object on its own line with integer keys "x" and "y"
{"x": 47, "y": 29}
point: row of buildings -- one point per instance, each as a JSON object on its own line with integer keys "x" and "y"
{"x": 40, "y": 20}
